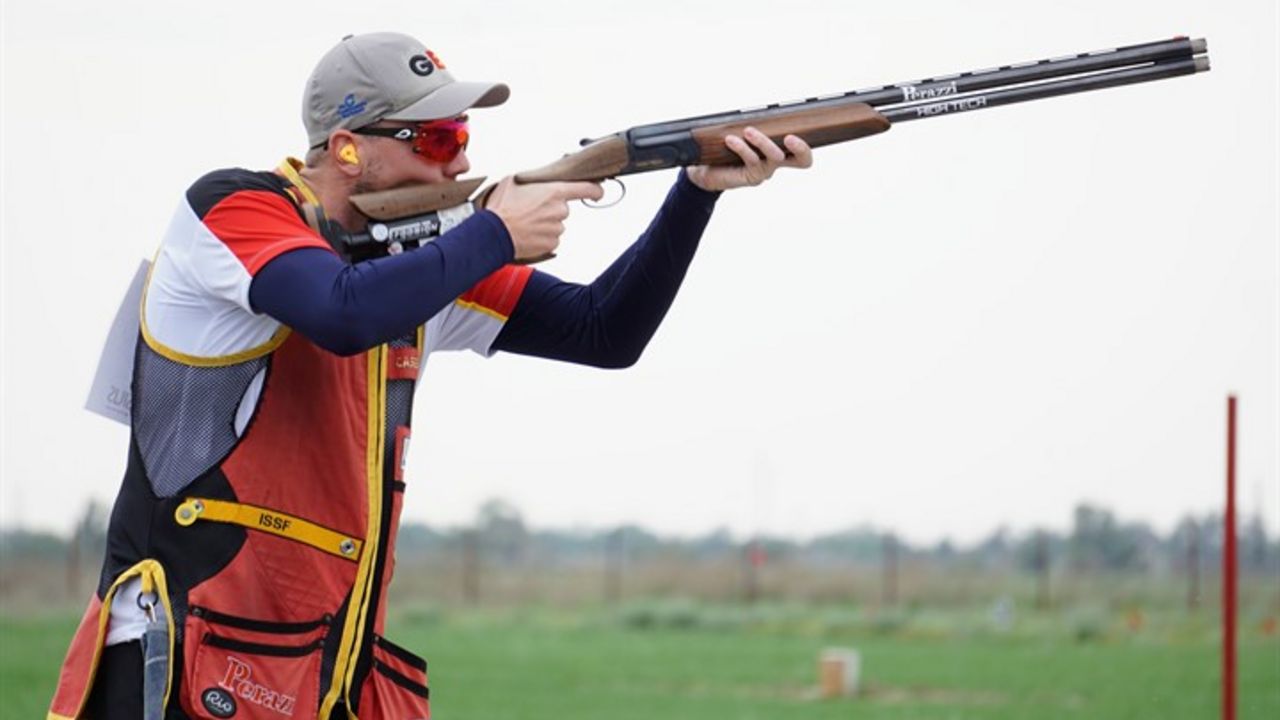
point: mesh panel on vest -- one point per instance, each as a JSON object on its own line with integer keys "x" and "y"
{"x": 399, "y": 403}
{"x": 184, "y": 417}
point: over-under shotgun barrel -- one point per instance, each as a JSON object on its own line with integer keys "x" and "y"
{"x": 1052, "y": 88}
{"x": 957, "y": 83}
{"x": 699, "y": 140}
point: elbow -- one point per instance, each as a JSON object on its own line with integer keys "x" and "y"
{"x": 619, "y": 358}
{"x": 344, "y": 347}
{"x": 618, "y": 350}
{"x": 345, "y": 336}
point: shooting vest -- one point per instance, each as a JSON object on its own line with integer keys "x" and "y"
{"x": 272, "y": 565}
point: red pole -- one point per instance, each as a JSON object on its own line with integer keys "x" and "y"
{"x": 1229, "y": 573}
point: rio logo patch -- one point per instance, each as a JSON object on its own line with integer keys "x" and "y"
{"x": 426, "y": 64}
{"x": 218, "y": 702}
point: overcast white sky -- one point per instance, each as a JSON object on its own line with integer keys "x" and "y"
{"x": 966, "y": 322}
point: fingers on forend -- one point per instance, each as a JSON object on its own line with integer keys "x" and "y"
{"x": 766, "y": 146}
{"x": 743, "y": 149}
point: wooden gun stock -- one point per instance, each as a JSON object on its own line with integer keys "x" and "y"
{"x": 414, "y": 200}
{"x": 600, "y": 159}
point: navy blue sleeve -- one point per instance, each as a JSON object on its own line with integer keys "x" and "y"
{"x": 348, "y": 309}
{"x": 609, "y": 322}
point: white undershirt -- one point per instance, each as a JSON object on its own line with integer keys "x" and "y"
{"x": 128, "y": 620}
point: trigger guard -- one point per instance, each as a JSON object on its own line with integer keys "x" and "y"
{"x": 601, "y": 206}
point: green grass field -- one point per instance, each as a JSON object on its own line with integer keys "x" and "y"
{"x": 762, "y": 664}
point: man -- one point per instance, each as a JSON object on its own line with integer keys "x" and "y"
{"x": 252, "y": 540}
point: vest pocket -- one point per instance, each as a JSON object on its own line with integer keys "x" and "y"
{"x": 396, "y": 686}
{"x": 247, "y": 668}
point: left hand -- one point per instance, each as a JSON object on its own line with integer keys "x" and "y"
{"x": 754, "y": 169}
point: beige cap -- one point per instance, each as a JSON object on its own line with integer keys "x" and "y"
{"x": 386, "y": 76}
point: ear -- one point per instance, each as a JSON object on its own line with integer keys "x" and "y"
{"x": 345, "y": 152}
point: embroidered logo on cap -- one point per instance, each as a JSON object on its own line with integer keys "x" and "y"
{"x": 421, "y": 65}
{"x": 351, "y": 108}
{"x": 426, "y": 64}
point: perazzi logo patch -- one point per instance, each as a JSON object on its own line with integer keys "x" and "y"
{"x": 239, "y": 681}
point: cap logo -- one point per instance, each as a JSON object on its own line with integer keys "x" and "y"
{"x": 426, "y": 64}
{"x": 421, "y": 65}
{"x": 351, "y": 108}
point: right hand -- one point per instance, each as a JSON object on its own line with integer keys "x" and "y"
{"x": 534, "y": 214}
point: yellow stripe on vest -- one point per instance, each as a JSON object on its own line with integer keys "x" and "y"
{"x": 290, "y": 170}
{"x": 269, "y": 521}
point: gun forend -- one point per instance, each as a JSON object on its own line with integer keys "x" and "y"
{"x": 818, "y": 126}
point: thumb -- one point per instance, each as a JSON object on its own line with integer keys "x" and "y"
{"x": 495, "y": 194}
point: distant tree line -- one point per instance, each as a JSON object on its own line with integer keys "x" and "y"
{"x": 1097, "y": 542}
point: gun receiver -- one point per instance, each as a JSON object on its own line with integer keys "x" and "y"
{"x": 819, "y": 121}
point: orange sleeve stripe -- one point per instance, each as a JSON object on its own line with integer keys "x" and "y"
{"x": 499, "y": 292}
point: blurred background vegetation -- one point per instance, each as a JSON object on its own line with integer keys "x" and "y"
{"x": 1109, "y": 619}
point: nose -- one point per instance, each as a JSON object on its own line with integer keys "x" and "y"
{"x": 458, "y": 165}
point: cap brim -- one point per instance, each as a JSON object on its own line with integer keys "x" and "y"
{"x": 454, "y": 99}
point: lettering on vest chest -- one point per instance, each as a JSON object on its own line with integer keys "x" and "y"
{"x": 273, "y": 522}
{"x": 403, "y": 363}
{"x": 239, "y": 681}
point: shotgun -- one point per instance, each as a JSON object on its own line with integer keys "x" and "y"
{"x": 406, "y": 217}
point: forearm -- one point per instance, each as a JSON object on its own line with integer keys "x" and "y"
{"x": 609, "y": 322}
{"x": 347, "y": 309}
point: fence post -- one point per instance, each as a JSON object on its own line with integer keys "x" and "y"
{"x": 470, "y": 567}
{"x": 1229, "y": 573}
{"x": 613, "y": 550}
{"x": 1042, "y": 570}
{"x": 1193, "y": 565}
{"x": 889, "y": 559}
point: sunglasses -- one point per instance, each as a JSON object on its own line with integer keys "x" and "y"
{"x": 437, "y": 140}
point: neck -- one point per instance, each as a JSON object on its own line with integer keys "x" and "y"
{"x": 333, "y": 190}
